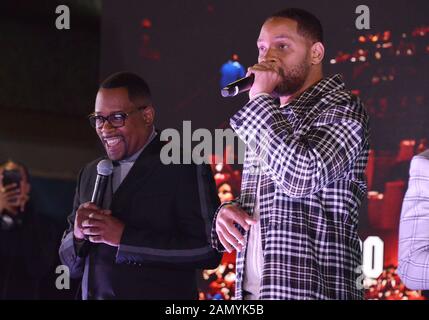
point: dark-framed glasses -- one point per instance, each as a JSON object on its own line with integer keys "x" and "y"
{"x": 116, "y": 119}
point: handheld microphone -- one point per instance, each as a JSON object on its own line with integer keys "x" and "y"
{"x": 104, "y": 170}
{"x": 239, "y": 86}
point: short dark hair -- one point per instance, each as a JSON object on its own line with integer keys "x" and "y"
{"x": 309, "y": 25}
{"x": 137, "y": 88}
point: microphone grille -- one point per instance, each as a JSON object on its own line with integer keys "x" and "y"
{"x": 105, "y": 167}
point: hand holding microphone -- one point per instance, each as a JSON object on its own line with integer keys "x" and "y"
{"x": 82, "y": 214}
{"x": 267, "y": 78}
{"x": 102, "y": 227}
{"x": 83, "y": 230}
{"x": 263, "y": 77}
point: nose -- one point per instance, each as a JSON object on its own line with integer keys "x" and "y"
{"x": 106, "y": 126}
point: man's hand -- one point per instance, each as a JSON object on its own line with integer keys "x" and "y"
{"x": 267, "y": 78}
{"x": 8, "y": 197}
{"x": 230, "y": 237}
{"x": 82, "y": 214}
{"x": 102, "y": 227}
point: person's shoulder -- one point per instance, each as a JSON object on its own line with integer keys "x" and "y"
{"x": 343, "y": 104}
{"x": 420, "y": 164}
{"x": 422, "y": 157}
{"x": 342, "y": 98}
{"x": 333, "y": 91}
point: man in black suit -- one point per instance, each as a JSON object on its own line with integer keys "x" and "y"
{"x": 152, "y": 231}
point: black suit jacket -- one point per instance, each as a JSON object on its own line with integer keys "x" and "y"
{"x": 167, "y": 211}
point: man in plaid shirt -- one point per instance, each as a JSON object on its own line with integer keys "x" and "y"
{"x": 295, "y": 224}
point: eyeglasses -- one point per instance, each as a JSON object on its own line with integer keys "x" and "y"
{"x": 116, "y": 120}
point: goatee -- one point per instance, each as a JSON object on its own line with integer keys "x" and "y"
{"x": 293, "y": 79}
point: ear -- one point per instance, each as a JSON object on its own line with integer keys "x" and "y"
{"x": 149, "y": 115}
{"x": 317, "y": 53}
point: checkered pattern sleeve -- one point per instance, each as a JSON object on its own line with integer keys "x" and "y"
{"x": 302, "y": 164}
{"x": 413, "y": 259}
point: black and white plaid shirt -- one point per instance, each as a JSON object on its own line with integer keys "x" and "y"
{"x": 311, "y": 155}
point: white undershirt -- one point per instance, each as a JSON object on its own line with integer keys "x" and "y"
{"x": 254, "y": 257}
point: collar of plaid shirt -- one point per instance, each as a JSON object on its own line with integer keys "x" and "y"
{"x": 299, "y": 105}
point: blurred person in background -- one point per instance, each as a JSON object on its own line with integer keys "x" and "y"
{"x": 26, "y": 248}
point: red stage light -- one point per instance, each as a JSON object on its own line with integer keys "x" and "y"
{"x": 146, "y": 23}
{"x": 386, "y": 35}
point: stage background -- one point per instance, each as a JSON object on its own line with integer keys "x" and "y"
{"x": 49, "y": 78}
